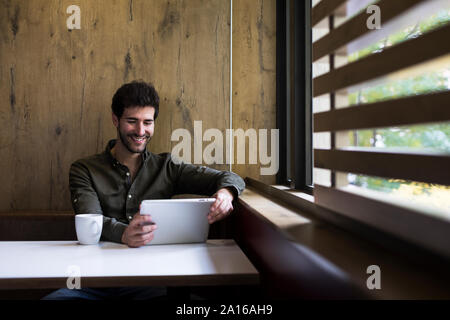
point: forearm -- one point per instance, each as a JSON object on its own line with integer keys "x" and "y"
{"x": 113, "y": 229}
{"x": 231, "y": 181}
{"x": 204, "y": 180}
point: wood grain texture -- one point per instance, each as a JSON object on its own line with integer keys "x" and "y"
{"x": 254, "y": 73}
{"x": 56, "y": 85}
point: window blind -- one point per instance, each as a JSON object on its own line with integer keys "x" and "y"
{"x": 427, "y": 166}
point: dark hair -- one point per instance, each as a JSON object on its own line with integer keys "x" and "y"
{"x": 135, "y": 94}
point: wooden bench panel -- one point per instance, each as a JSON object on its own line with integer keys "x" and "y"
{"x": 289, "y": 270}
{"x": 37, "y": 226}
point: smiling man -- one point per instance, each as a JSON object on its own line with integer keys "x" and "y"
{"x": 116, "y": 181}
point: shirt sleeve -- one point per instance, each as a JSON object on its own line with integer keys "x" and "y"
{"x": 203, "y": 180}
{"x": 84, "y": 200}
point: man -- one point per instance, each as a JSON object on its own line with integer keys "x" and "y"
{"x": 116, "y": 181}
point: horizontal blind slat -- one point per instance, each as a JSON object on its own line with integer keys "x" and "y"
{"x": 421, "y": 229}
{"x": 323, "y": 9}
{"x": 403, "y": 55}
{"x": 430, "y": 168}
{"x": 423, "y": 108}
{"x": 357, "y": 27}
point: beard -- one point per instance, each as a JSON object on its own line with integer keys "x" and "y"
{"x": 125, "y": 139}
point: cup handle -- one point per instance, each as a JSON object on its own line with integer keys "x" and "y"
{"x": 94, "y": 227}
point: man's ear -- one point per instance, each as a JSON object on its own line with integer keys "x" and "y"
{"x": 115, "y": 120}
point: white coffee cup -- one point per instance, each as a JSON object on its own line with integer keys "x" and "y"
{"x": 89, "y": 228}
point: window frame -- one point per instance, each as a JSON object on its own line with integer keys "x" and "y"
{"x": 294, "y": 94}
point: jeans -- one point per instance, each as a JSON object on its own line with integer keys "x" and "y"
{"x": 125, "y": 293}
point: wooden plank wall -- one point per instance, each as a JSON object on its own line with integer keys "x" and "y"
{"x": 56, "y": 85}
{"x": 254, "y": 73}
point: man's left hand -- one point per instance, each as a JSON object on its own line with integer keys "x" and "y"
{"x": 222, "y": 207}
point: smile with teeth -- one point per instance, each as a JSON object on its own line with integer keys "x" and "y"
{"x": 139, "y": 140}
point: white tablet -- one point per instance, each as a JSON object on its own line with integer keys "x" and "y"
{"x": 179, "y": 220}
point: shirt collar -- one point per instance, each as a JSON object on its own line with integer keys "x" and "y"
{"x": 112, "y": 143}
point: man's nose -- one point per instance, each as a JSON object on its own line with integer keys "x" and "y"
{"x": 140, "y": 129}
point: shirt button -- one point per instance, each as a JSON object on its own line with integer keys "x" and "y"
{"x": 129, "y": 196}
{"x": 130, "y": 217}
{"x": 128, "y": 173}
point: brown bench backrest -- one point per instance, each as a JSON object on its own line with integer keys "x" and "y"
{"x": 37, "y": 226}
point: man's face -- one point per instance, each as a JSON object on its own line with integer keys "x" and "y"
{"x": 135, "y": 127}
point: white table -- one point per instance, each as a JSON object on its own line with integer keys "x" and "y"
{"x": 49, "y": 264}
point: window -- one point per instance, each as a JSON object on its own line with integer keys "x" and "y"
{"x": 382, "y": 117}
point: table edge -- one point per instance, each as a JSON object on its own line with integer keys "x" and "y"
{"x": 128, "y": 281}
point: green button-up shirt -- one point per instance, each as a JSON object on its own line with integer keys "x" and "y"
{"x": 100, "y": 184}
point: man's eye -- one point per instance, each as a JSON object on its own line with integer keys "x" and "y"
{"x": 147, "y": 123}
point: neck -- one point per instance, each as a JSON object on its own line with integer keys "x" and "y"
{"x": 125, "y": 157}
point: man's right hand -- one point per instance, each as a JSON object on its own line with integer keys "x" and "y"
{"x": 139, "y": 232}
